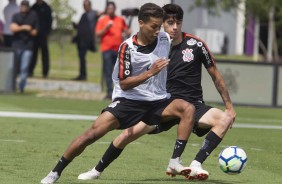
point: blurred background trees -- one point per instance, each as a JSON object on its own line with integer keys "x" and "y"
{"x": 62, "y": 18}
{"x": 263, "y": 12}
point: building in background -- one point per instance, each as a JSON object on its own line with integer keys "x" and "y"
{"x": 217, "y": 31}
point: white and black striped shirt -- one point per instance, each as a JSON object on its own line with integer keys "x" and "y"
{"x": 131, "y": 62}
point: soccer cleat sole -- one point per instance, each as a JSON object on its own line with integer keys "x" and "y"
{"x": 200, "y": 177}
{"x": 184, "y": 172}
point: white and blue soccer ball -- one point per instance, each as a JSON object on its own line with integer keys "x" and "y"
{"x": 232, "y": 160}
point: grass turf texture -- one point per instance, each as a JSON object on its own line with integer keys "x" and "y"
{"x": 30, "y": 148}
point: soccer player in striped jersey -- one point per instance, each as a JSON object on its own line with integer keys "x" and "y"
{"x": 188, "y": 54}
{"x": 139, "y": 94}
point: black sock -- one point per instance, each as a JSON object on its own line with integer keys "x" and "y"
{"x": 179, "y": 148}
{"x": 62, "y": 163}
{"x": 109, "y": 156}
{"x": 209, "y": 144}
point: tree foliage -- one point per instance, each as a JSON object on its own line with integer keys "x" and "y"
{"x": 214, "y": 7}
{"x": 62, "y": 16}
{"x": 257, "y": 8}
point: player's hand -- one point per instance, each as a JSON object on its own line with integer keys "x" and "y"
{"x": 158, "y": 66}
{"x": 231, "y": 112}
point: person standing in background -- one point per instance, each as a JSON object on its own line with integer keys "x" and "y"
{"x": 85, "y": 38}
{"x": 110, "y": 29}
{"x": 9, "y": 11}
{"x": 25, "y": 27}
{"x": 44, "y": 13}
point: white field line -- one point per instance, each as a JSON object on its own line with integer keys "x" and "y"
{"x": 91, "y": 118}
{"x": 10, "y": 140}
{"x": 245, "y": 125}
{"x": 46, "y": 116}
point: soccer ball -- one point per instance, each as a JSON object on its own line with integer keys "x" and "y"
{"x": 232, "y": 160}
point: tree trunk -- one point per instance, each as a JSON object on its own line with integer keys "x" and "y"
{"x": 270, "y": 34}
{"x": 275, "y": 46}
{"x": 256, "y": 39}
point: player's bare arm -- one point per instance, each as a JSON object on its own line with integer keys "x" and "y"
{"x": 133, "y": 81}
{"x": 223, "y": 91}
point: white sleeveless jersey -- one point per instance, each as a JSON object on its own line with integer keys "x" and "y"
{"x": 133, "y": 63}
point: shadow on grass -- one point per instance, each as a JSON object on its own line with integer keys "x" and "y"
{"x": 159, "y": 181}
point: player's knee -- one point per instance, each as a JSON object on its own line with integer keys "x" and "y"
{"x": 125, "y": 135}
{"x": 189, "y": 109}
{"x": 123, "y": 139}
{"x": 226, "y": 121}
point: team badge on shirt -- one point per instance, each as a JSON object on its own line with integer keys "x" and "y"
{"x": 191, "y": 42}
{"x": 188, "y": 55}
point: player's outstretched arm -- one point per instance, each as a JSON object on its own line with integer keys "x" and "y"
{"x": 223, "y": 91}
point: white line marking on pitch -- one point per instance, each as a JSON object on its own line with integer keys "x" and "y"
{"x": 91, "y": 118}
{"x": 244, "y": 125}
{"x": 46, "y": 116}
{"x": 10, "y": 140}
{"x": 256, "y": 149}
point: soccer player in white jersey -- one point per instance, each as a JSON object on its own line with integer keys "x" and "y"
{"x": 139, "y": 92}
{"x": 188, "y": 54}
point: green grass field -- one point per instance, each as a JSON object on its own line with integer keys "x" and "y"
{"x": 29, "y": 148}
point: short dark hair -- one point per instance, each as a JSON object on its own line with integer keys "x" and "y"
{"x": 25, "y": 3}
{"x": 150, "y": 10}
{"x": 87, "y": 1}
{"x": 174, "y": 11}
{"x": 111, "y": 3}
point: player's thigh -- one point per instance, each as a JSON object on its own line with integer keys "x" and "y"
{"x": 176, "y": 109}
{"x": 210, "y": 118}
{"x": 105, "y": 123}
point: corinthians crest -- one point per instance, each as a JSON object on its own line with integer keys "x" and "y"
{"x": 188, "y": 55}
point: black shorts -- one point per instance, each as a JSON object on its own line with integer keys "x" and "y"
{"x": 201, "y": 109}
{"x": 130, "y": 112}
